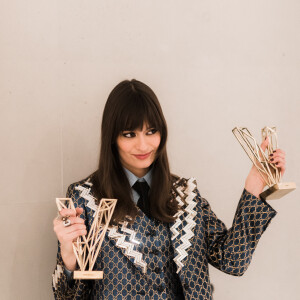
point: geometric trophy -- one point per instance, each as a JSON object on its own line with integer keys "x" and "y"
{"x": 86, "y": 248}
{"x": 268, "y": 170}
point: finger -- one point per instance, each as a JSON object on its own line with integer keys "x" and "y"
{"x": 277, "y": 160}
{"x": 279, "y": 151}
{"x": 70, "y": 212}
{"x": 75, "y": 234}
{"x": 275, "y": 155}
{"x": 68, "y": 229}
{"x": 73, "y": 220}
{"x": 67, "y": 212}
{"x": 280, "y": 165}
{"x": 79, "y": 211}
{"x": 282, "y": 168}
{"x": 74, "y": 227}
{"x": 76, "y": 220}
{"x": 56, "y": 221}
{"x": 63, "y": 232}
{"x": 72, "y": 236}
{"x": 264, "y": 144}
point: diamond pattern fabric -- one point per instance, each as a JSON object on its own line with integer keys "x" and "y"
{"x": 141, "y": 260}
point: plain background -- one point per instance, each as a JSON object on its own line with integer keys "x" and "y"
{"x": 214, "y": 65}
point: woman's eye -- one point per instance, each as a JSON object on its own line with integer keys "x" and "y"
{"x": 152, "y": 131}
{"x": 128, "y": 134}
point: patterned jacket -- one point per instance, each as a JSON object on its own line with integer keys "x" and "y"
{"x": 197, "y": 238}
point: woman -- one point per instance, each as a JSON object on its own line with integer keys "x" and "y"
{"x": 163, "y": 233}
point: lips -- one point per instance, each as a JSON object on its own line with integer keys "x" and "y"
{"x": 142, "y": 156}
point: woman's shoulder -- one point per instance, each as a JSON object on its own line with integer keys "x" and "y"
{"x": 83, "y": 182}
{"x": 83, "y": 185}
{"x": 178, "y": 181}
{"x": 187, "y": 190}
{"x": 185, "y": 186}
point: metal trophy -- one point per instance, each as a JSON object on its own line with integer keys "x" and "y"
{"x": 268, "y": 170}
{"x": 86, "y": 248}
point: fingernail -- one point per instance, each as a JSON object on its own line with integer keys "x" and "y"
{"x": 271, "y": 154}
{"x": 274, "y": 151}
{"x": 276, "y": 163}
{"x": 272, "y": 159}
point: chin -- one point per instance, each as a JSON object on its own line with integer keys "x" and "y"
{"x": 145, "y": 165}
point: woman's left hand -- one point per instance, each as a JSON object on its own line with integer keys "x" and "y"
{"x": 254, "y": 183}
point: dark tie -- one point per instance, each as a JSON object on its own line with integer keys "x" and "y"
{"x": 142, "y": 188}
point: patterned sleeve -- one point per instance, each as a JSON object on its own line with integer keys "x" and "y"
{"x": 231, "y": 250}
{"x": 64, "y": 287}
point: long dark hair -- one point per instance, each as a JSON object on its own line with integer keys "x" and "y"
{"x": 130, "y": 105}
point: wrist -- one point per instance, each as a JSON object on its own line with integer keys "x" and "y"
{"x": 70, "y": 263}
{"x": 254, "y": 183}
{"x": 254, "y": 187}
{"x": 68, "y": 257}
{"x": 254, "y": 191}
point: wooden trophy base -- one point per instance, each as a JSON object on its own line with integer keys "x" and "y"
{"x": 278, "y": 190}
{"x": 88, "y": 274}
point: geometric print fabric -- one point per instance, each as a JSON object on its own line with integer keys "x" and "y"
{"x": 206, "y": 240}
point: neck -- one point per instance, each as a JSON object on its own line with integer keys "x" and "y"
{"x": 140, "y": 172}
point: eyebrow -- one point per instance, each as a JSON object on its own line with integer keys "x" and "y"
{"x": 130, "y": 130}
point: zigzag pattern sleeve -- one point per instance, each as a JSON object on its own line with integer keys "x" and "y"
{"x": 231, "y": 250}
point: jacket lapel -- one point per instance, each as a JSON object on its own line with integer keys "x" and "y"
{"x": 124, "y": 238}
{"x": 121, "y": 236}
{"x": 182, "y": 227}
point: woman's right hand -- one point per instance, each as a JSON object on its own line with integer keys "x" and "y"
{"x": 67, "y": 234}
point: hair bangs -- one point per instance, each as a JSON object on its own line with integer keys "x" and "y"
{"x": 138, "y": 110}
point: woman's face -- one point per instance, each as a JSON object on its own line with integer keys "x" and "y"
{"x": 137, "y": 149}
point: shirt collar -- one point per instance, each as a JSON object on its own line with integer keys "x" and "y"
{"x": 132, "y": 178}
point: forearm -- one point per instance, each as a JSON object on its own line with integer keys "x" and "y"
{"x": 254, "y": 183}
{"x": 68, "y": 257}
{"x": 231, "y": 251}
{"x": 63, "y": 287}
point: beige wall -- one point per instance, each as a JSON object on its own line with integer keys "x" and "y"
{"x": 213, "y": 64}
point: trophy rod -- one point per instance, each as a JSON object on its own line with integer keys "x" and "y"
{"x": 107, "y": 217}
{"x": 273, "y": 144}
{"x": 262, "y": 167}
{"x": 267, "y": 170}
{"x": 86, "y": 249}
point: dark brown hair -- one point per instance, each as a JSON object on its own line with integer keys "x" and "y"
{"x": 130, "y": 105}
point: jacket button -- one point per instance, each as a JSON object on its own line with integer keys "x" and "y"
{"x": 160, "y": 288}
{"x": 155, "y": 252}
{"x": 157, "y": 270}
{"x": 186, "y": 286}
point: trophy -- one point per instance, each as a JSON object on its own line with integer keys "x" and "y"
{"x": 86, "y": 248}
{"x": 268, "y": 170}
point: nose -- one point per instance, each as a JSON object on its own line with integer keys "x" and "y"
{"x": 141, "y": 144}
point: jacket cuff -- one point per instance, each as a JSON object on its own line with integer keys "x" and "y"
{"x": 260, "y": 201}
